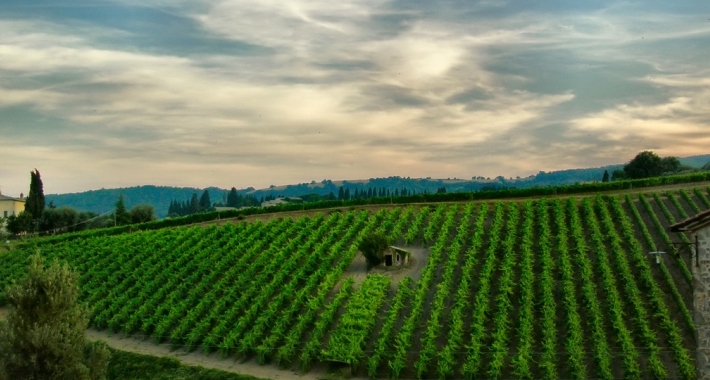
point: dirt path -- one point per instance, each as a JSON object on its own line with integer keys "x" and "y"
{"x": 197, "y": 358}
{"x": 417, "y": 260}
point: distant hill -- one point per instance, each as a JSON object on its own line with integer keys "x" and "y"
{"x": 103, "y": 200}
{"x": 695, "y": 161}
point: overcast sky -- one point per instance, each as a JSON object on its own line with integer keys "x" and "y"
{"x": 102, "y": 93}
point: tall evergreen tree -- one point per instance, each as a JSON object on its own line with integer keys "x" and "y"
{"x": 605, "y": 177}
{"x": 233, "y": 198}
{"x": 341, "y": 193}
{"x": 122, "y": 217}
{"x": 346, "y": 195}
{"x": 205, "y": 202}
{"x": 34, "y": 204}
{"x": 194, "y": 204}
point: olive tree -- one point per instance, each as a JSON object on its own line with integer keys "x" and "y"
{"x": 43, "y": 337}
{"x": 373, "y": 247}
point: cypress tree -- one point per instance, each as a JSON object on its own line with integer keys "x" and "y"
{"x": 205, "y": 202}
{"x": 35, "y": 199}
{"x": 605, "y": 177}
{"x": 122, "y": 216}
{"x": 341, "y": 193}
{"x": 194, "y": 204}
{"x": 233, "y": 198}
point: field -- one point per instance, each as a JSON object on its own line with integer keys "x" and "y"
{"x": 546, "y": 288}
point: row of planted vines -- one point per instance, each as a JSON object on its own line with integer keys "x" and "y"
{"x": 559, "y": 288}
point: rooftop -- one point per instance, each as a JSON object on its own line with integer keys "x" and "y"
{"x": 693, "y": 223}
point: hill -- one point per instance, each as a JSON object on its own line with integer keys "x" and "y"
{"x": 103, "y": 200}
{"x": 544, "y": 288}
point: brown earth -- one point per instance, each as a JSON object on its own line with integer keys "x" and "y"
{"x": 417, "y": 261}
{"x": 138, "y": 345}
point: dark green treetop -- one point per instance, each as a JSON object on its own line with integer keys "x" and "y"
{"x": 35, "y": 199}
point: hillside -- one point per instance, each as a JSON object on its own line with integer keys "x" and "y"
{"x": 556, "y": 288}
{"x": 103, "y": 200}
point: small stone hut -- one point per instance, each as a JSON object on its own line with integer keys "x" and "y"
{"x": 698, "y": 227}
{"x": 395, "y": 256}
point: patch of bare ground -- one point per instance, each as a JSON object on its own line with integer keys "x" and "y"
{"x": 138, "y": 345}
{"x": 417, "y": 261}
{"x": 197, "y": 358}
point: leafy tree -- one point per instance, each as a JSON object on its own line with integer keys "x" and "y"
{"x": 44, "y": 334}
{"x": 58, "y": 218}
{"x": 205, "y": 202}
{"x": 373, "y": 247}
{"x": 142, "y": 214}
{"x": 605, "y": 177}
{"x": 618, "y": 175}
{"x": 20, "y": 223}
{"x": 645, "y": 164}
{"x": 34, "y": 204}
{"x": 670, "y": 164}
{"x": 122, "y": 216}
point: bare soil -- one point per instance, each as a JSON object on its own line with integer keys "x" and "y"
{"x": 138, "y": 345}
{"x": 417, "y": 261}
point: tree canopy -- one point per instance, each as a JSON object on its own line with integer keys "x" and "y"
{"x": 120, "y": 213}
{"x": 44, "y": 334}
{"x": 34, "y": 204}
{"x": 645, "y": 164}
{"x": 373, "y": 247}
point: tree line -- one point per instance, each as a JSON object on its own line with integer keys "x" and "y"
{"x": 204, "y": 203}
{"x": 648, "y": 164}
{"x": 39, "y": 217}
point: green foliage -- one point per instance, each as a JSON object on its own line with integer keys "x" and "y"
{"x": 618, "y": 175}
{"x": 131, "y": 366}
{"x": 142, "y": 214}
{"x": 277, "y": 290}
{"x": 34, "y": 204}
{"x": 645, "y": 164}
{"x": 122, "y": 217}
{"x": 20, "y": 223}
{"x": 605, "y": 177}
{"x": 373, "y": 247}
{"x": 670, "y": 165}
{"x": 44, "y": 336}
{"x": 205, "y": 202}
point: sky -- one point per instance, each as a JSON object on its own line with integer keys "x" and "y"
{"x": 116, "y": 93}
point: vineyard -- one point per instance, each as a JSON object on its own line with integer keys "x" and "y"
{"x": 529, "y": 289}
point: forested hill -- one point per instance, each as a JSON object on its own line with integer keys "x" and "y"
{"x": 103, "y": 200}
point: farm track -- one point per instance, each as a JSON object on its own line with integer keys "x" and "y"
{"x": 139, "y": 345}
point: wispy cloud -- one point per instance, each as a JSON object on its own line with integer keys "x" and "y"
{"x": 245, "y": 93}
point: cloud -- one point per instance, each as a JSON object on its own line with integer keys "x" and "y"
{"x": 251, "y": 93}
